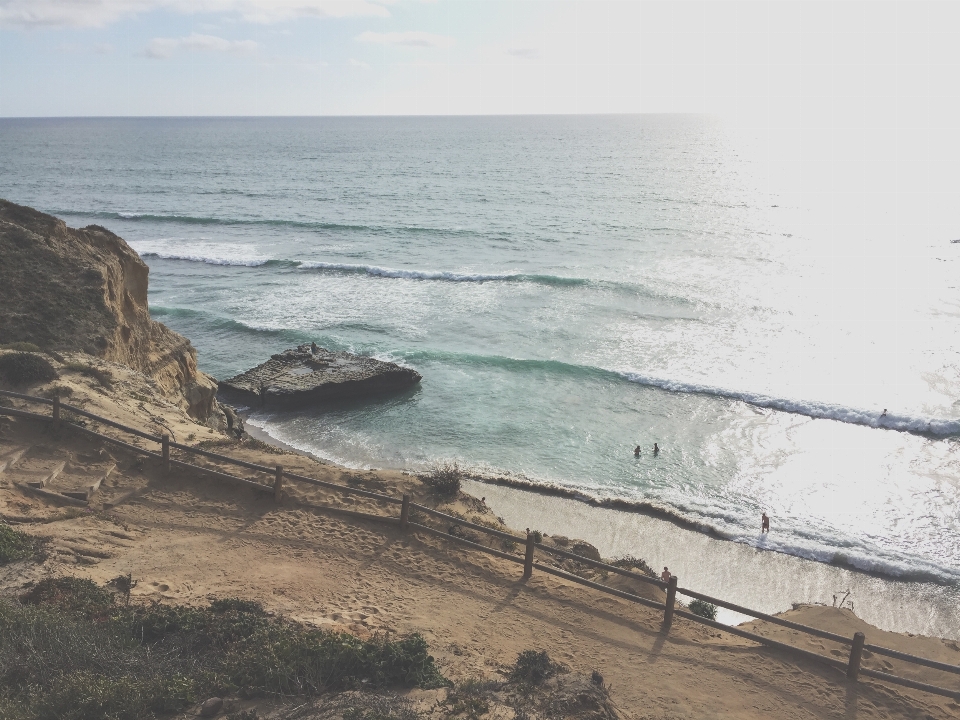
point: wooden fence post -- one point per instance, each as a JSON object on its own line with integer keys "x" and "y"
{"x": 528, "y": 559}
{"x": 56, "y": 412}
{"x": 671, "y": 601}
{"x": 278, "y": 483}
{"x": 856, "y": 653}
{"x": 165, "y": 450}
{"x": 405, "y": 513}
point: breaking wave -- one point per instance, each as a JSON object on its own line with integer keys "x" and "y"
{"x": 810, "y": 408}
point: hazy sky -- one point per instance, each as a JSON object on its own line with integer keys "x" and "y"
{"x": 862, "y": 64}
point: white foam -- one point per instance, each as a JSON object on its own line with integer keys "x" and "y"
{"x": 869, "y": 560}
{"x": 411, "y": 274}
{"x": 207, "y": 260}
{"x": 211, "y": 253}
{"x": 810, "y": 408}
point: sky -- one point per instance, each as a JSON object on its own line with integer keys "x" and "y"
{"x": 862, "y": 65}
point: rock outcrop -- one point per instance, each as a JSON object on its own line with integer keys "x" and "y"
{"x": 86, "y": 290}
{"x": 310, "y": 374}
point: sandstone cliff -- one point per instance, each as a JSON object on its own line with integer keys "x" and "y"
{"x": 86, "y": 289}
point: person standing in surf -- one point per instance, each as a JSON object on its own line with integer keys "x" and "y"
{"x": 764, "y": 523}
{"x": 636, "y": 451}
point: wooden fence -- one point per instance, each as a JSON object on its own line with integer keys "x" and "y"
{"x": 278, "y": 476}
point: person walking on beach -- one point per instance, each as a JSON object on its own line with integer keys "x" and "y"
{"x": 666, "y": 574}
{"x": 764, "y": 523}
{"x": 636, "y": 451}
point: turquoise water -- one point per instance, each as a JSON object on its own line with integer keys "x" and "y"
{"x": 569, "y": 287}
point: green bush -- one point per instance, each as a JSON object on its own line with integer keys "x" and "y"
{"x": 75, "y": 596}
{"x": 15, "y": 545}
{"x": 61, "y": 391}
{"x": 704, "y": 609}
{"x": 24, "y": 368}
{"x": 21, "y": 347}
{"x": 629, "y": 562}
{"x": 533, "y": 667}
{"x": 444, "y": 480}
{"x": 70, "y": 652}
{"x": 101, "y": 375}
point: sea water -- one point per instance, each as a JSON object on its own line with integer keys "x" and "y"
{"x": 569, "y": 288}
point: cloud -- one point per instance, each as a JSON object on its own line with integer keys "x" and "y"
{"x": 406, "y": 39}
{"x": 359, "y": 63}
{"x": 162, "y": 48}
{"x": 97, "y": 13}
{"x": 524, "y": 52}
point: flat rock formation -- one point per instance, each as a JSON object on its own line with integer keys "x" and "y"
{"x": 309, "y": 374}
{"x": 85, "y": 290}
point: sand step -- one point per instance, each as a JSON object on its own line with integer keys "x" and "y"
{"x": 50, "y": 495}
{"x": 9, "y": 455}
{"x": 83, "y": 483}
{"x": 37, "y": 474}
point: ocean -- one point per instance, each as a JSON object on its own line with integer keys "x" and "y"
{"x": 569, "y": 288}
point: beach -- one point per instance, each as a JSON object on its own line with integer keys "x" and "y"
{"x": 766, "y": 581}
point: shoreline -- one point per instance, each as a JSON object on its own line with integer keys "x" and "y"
{"x": 767, "y": 580}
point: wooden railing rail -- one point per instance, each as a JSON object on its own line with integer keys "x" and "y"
{"x": 937, "y": 665}
{"x": 550, "y": 570}
{"x": 765, "y": 617}
{"x": 345, "y": 489}
{"x": 857, "y": 644}
{"x": 466, "y": 523}
{"x": 469, "y": 543}
{"x": 603, "y": 566}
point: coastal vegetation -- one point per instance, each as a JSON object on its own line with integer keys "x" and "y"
{"x": 101, "y": 375}
{"x": 69, "y": 650}
{"x": 15, "y": 545}
{"x": 704, "y": 609}
{"x": 444, "y": 480}
{"x": 25, "y": 368}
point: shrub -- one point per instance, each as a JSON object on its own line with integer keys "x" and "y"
{"x": 537, "y": 536}
{"x": 704, "y": 609}
{"x": 101, "y": 375}
{"x": 444, "y": 480}
{"x": 468, "y": 699}
{"x": 629, "y": 562}
{"x": 24, "y": 368}
{"x": 71, "y": 652}
{"x": 75, "y": 596}
{"x": 61, "y": 391}
{"x": 22, "y": 347}
{"x": 15, "y": 545}
{"x": 533, "y": 667}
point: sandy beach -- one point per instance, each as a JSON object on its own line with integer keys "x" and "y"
{"x": 764, "y": 580}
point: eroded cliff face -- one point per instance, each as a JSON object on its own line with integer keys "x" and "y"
{"x": 85, "y": 289}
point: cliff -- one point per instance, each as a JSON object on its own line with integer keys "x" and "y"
{"x": 85, "y": 289}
